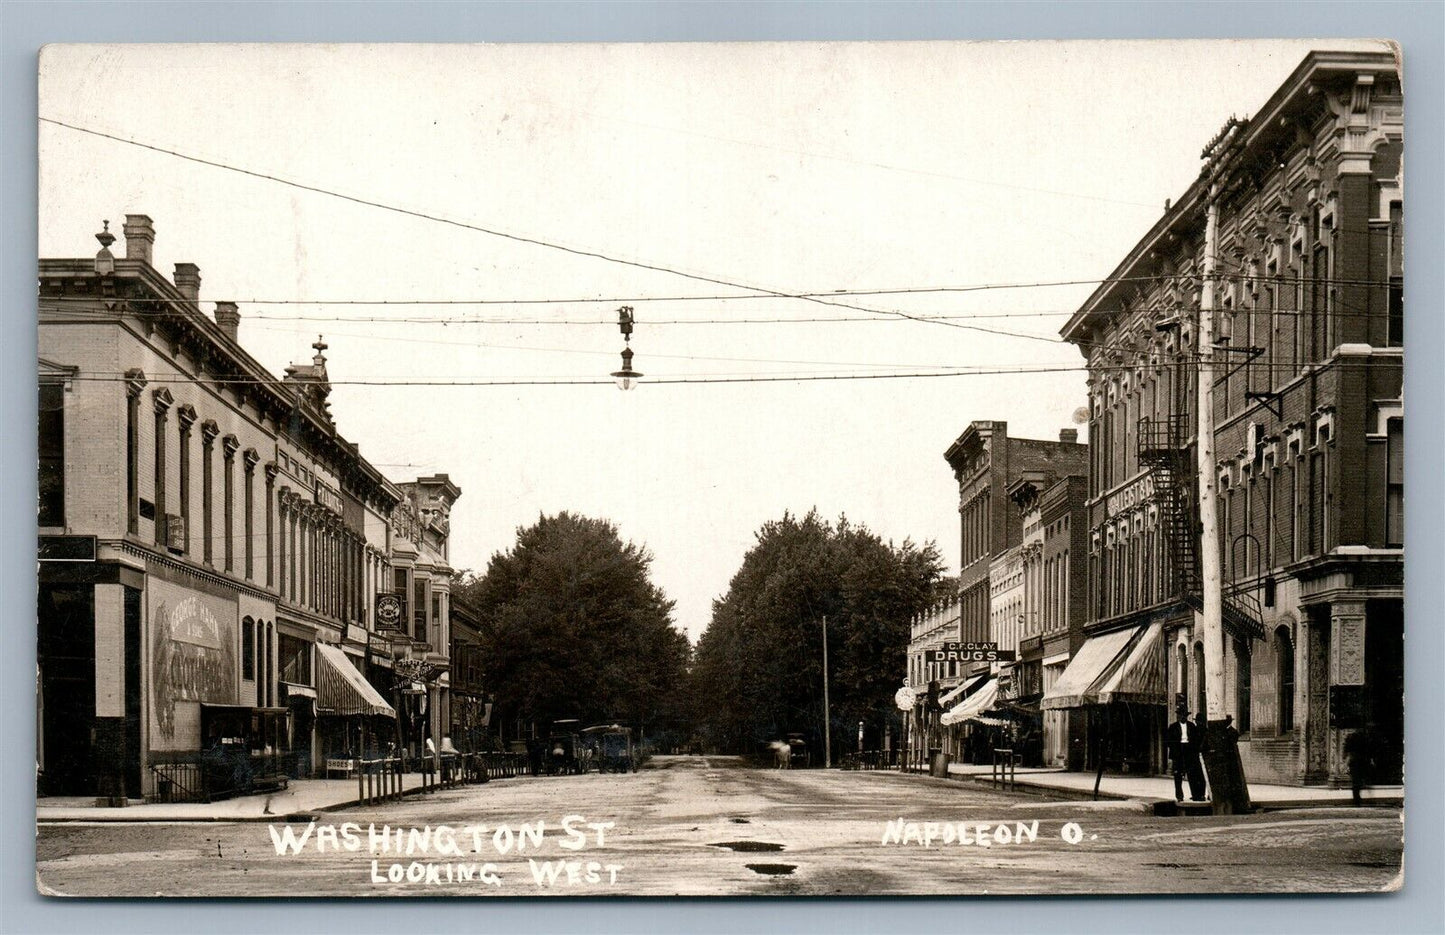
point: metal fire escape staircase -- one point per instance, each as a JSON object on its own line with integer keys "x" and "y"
{"x": 1164, "y": 446}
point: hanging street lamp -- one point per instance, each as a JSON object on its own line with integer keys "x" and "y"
{"x": 626, "y": 378}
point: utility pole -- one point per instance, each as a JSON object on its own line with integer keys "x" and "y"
{"x": 827, "y": 711}
{"x": 1228, "y": 790}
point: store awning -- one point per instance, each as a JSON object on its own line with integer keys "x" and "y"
{"x": 341, "y": 689}
{"x": 1140, "y": 678}
{"x": 962, "y": 689}
{"x": 1095, "y": 661}
{"x": 979, "y": 701}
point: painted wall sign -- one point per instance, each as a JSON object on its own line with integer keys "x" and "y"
{"x": 1140, "y": 491}
{"x": 193, "y": 659}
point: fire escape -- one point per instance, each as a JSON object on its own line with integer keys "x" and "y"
{"x": 1164, "y": 446}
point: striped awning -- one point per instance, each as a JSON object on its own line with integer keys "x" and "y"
{"x": 1140, "y": 677}
{"x": 341, "y": 689}
{"x": 1095, "y": 661}
{"x": 964, "y": 687}
{"x": 979, "y": 701}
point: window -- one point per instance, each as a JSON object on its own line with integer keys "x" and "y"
{"x": 1243, "y": 676}
{"x": 1396, "y": 334}
{"x": 248, "y": 648}
{"x": 1201, "y": 697}
{"x": 1319, "y": 302}
{"x": 1395, "y": 483}
{"x": 1284, "y": 661}
{"x": 1269, "y": 523}
{"x": 1297, "y": 509}
{"x": 162, "y": 400}
{"x": 132, "y": 458}
{"x": 401, "y": 589}
{"x": 208, "y": 438}
{"x": 185, "y": 416}
{"x": 1181, "y": 685}
{"x": 228, "y": 496}
{"x": 249, "y": 496}
{"x": 52, "y": 455}
{"x": 294, "y": 656}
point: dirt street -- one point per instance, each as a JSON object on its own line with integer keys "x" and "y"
{"x": 713, "y": 826}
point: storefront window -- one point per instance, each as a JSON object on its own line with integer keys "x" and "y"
{"x": 52, "y": 454}
{"x": 1284, "y": 659}
{"x": 295, "y": 658}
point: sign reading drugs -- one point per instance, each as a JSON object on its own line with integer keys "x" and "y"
{"x": 970, "y": 652}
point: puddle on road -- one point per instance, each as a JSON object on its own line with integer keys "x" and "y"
{"x": 772, "y": 869}
{"x": 752, "y": 846}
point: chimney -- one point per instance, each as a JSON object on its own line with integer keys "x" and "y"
{"x": 140, "y": 237}
{"x": 229, "y": 318}
{"x": 188, "y": 280}
{"x": 1069, "y": 436}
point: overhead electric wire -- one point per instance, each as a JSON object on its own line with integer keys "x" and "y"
{"x": 535, "y": 241}
{"x": 640, "y": 299}
{"x": 113, "y": 377}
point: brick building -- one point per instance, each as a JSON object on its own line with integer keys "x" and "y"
{"x": 210, "y": 545}
{"x": 990, "y": 607}
{"x": 1309, "y": 432}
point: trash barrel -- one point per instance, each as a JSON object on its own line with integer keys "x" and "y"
{"x": 938, "y": 764}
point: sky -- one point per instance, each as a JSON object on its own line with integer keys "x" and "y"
{"x": 549, "y": 184}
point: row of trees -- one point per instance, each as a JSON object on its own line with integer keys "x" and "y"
{"x": 572, "y": 626}
{"x": 758, "y": 669}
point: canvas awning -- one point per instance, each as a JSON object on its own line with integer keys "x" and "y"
{"x": 976, "y": 703}
{"x": 962, "y": 689}
{"x": 1095, "y": 661}
{"x": 1140, "y": 677}
{"x": 341, "y": 689}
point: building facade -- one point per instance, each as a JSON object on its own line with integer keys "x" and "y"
{"x": 210, "y": 545}
{"x": 1309, "y": 433}
{"x": 995, "y": 575}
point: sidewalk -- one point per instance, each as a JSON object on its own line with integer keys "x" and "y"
{"x": 300, "y": 797}
{"x": 1161, "y": 788}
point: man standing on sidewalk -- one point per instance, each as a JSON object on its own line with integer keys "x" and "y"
{"x": 1185, "y": 739}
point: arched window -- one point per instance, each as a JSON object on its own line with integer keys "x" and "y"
{"x": 248, "y": 648}
{"x": 1284, "y": 661}
{"x": 1182, "y": 686}
{"x": 1243, "y": 675}
{"x": 1201, "y": 698}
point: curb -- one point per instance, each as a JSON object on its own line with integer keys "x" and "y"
{"x": 299, "y": 815}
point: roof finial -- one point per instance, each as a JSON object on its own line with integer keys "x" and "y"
{"x": 320, "y": 346}
{"x": 104, "y": 260}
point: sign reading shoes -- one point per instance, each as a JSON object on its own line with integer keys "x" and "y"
{"x": 970, "y": 652}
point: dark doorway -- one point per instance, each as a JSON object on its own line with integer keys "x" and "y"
{"x": 1385, "y": 685}
{"x": 132, "y": 692}
{"x": 66, "y": 651}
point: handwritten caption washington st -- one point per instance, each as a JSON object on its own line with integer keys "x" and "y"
{"x": 451, "y": 856}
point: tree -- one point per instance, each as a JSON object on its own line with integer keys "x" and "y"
{"x": 571, "y": 626}
{"x": 758, "y": 668}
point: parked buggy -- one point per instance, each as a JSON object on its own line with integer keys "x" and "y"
{"x": 613, "y": 748}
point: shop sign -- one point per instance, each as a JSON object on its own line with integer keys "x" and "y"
{"x": 970, "y": 652}
{"x": 388, "y": 612}
{"x": 1126, "y": 498}
{"x": 329, "y": 497}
